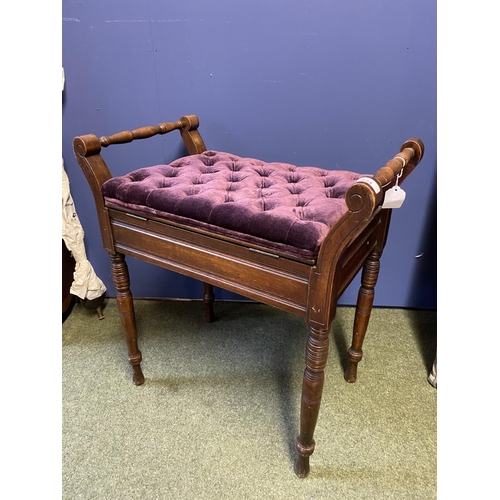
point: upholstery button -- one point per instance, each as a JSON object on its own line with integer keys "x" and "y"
{"x": 235, "y": 167}
{"x": 298, "y": 213}
{"x": 329, "y": 183}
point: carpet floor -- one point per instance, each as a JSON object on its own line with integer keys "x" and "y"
{"x": 218, "y": 414}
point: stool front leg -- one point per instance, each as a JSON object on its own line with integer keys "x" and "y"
{"x": 125, "y": 302}
{"x": 364, "y": 305}
{"x": 312, "y": 390}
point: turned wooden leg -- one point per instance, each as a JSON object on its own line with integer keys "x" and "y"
{"x": 363, "y": 310}
{"x": 125, "y": 302}
{"x": 208, "y": 299}
{"x": 312, "y": 389}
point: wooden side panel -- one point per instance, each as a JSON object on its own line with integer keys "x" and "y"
{"x": 217, "y": 263}
{"x": 353, "y": 257}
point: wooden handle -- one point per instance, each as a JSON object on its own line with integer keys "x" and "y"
{"x": 88, "y": 145}
{"x": 362, "y": 196}
{"x": 402, "y": 164}
{"x": 140, "y": 133}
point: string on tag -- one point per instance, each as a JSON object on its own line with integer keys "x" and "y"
{"x": 398, "y": 176}
{"x": 401, "y": 158}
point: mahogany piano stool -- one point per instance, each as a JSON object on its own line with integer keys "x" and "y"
{"x": 287, "y": 236}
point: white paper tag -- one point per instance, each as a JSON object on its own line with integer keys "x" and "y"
{"x": 394, "y": 197}
{"x": 371, "y": 182}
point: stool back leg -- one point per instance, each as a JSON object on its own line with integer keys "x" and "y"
{"x": 208, "y": 299}
{"x": 125, "y": 303}
{"x": 364, "y": 305}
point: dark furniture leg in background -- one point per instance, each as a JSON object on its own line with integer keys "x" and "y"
{"x": 68, "y": 266}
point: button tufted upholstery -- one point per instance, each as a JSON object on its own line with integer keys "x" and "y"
{"x": 275, "y": 205}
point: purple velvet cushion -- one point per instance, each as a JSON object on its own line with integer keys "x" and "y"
{"x": 275, "y": 205}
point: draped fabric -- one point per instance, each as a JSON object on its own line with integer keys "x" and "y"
{"x": 86, "y": 284}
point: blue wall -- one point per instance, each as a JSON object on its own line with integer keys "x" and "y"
{"x": 335, "y": 84}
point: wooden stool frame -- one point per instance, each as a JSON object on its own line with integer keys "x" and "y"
{"x": 309, "y": 289}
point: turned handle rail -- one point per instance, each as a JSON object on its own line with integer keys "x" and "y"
{"x": 406, "y": 160}
{"x": 89, "y": 144}
{"x": 140, "y": 133}
{"x": 398, "y": 168}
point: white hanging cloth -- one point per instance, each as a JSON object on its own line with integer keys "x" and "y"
{"x": 86, "y": 284}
